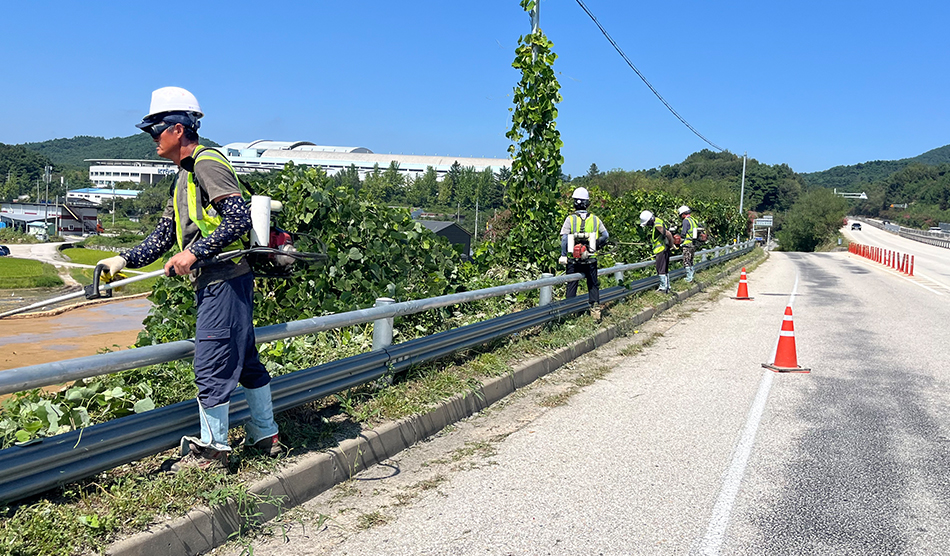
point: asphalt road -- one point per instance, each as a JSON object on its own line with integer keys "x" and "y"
{"x": 931, "y": 263}
{"x": 689, "y": 446}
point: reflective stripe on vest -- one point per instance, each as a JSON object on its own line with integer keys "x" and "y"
{"x": 196, "y": 213}
{"x": 693, "y": 226}
{"x": 591, "y": 226}
{"x": 658, "y": 240}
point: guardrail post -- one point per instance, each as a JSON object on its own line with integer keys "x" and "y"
{"x": 383, "y": 328}
{"x": 547, "y": 292}
{"x": 618, "y": 275}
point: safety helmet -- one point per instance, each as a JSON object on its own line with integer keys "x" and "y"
{"x": 645, "y": 218}
{"x": 581, "y": 198}
{"x": 683, "y": 210}
{"x": 172, "y": 101}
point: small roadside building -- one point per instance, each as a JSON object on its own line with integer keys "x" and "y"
{"x": 75, "y": 218}
{"x": 451, "y": 231}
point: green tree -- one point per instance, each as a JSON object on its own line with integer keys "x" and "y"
{"x": 423, "y": 190}
{"x": 813, "y": 220}
{"x": 536, "y": 155}
{"x": 375, "y": 186}
{"x": 348, "y": 177}
{"x": 393, "y": 183}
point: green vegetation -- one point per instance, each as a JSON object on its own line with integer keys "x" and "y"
{"x": 23, "y": 273}
{"x": 921, "y": 182}
{"x": 72, "y": 152}
{"x": 20, "y": 168}
{"x": 813, "y": 220}
{"x": 86, "y": 516}
{"x": 857, "y": 176}
{"x": 532, "y": 189}
{"x": 93, "y": 256}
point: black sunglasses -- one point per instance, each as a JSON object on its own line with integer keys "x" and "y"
{"x": 156, "y": 130}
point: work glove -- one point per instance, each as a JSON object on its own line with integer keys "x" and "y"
{"x": 114, "y": 264}
{"x": 562, "y": 260}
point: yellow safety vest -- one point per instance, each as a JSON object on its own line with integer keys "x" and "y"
{"x": 206, "y": 223}
{"x": 658, "y": 240}
{"x": 693, "y": 227}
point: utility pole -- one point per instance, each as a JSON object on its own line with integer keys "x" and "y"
{"x": 535, "y": 24}
{"x": 476, "y": 221}
{"x": 742, "y": 187}
{"x": 49, "y": 176}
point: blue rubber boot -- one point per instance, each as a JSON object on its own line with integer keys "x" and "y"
{"x": 214, "y": 426}
{"x": 214, "y": 430}
{"x": 261, "y": 406}
{"x": 689, "y": 274}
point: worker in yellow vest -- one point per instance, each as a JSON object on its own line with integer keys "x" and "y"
{"x": 206, "y": 215}
{"x": 661, "y": 241}
{"x": 582, "y": 235}
{"x": 690, "y": 234}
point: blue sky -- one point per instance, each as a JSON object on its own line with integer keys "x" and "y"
{"x": 812, "y": 84}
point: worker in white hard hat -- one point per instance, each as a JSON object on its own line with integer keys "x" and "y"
{"x": 661, "y": 241}
{"x": 690, "y": 235}
{"x": 207, "y": 214}
{"x": 582, "y": 235}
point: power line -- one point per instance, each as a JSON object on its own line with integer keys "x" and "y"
{"x": 634, "y": 68}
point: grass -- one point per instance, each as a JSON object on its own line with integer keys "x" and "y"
{"x": 24, "y": 273}
{"x": 85, "y": 517}
{"x": 93, "y": 256}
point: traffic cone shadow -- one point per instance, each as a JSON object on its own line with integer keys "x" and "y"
{"x": 743, "y": 293}
{"x": 786, "y": 361}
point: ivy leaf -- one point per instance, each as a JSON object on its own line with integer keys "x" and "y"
{"x": 143, "y": 405}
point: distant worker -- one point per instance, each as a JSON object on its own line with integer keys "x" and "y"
{"x": 205, "y": 215}
{"x": 582, "y": 235}
{"x": 689, "y": 235}
{"x": 662, "y": 241}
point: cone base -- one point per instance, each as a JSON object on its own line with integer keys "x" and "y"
{"x": 786, "y": 369}
{"x": 742, "y": 298}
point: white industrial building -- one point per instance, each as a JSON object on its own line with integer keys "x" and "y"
{"x": 264, "y": 155}
{"x": 97, "y": 195}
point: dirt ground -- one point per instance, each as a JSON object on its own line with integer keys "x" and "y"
{"x": 75, "y": 333}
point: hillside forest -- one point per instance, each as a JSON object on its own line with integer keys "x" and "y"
{"x": 922, "y": 183}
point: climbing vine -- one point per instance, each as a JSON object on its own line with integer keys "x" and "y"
{"x": 532, "y": 190}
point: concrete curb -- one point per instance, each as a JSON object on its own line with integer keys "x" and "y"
{"x": 203, "y": 529}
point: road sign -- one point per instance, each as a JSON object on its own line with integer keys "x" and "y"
{"x": 765, "y": 222}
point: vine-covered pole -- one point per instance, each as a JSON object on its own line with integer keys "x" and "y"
{"x": 535, "y": 25}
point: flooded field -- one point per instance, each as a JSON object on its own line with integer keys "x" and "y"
{"x": 75, "y": 333}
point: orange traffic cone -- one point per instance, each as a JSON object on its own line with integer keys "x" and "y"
{"x": 785, "y": 359}
{"x": 743, "y": 292}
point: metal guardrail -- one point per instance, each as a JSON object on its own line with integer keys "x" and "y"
{"x": 938, "y": 239}
{"x": 935, "y": 238}
{"x": 58, "y": 460}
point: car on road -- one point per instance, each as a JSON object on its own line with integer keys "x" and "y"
{"x": 856, "y": 226}
{"x": 4, "y": 250}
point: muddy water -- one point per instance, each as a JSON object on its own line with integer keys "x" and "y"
{"x": 76, "y": 333}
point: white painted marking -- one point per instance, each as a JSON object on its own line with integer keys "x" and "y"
{"x": 722, "y": 511}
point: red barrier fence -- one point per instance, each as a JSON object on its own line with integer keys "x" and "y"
{"x": 903, "y": 263}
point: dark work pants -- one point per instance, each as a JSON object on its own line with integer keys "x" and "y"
{"x": 663, "y": 262}
{"x": 225, "y": 348}
{"x": 589, "y": 270}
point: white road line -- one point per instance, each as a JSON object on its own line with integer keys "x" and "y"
{"x": 879, "y": 266}
{"x": 934, "y": 281}
{"x": 732, "y": 480}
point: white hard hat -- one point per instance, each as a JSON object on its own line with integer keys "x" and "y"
{"x": 581, "y": 193}
{"x": 645, "y": 217}
{"x": 173, "y": 99}
{"x": 683, "y": 210}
